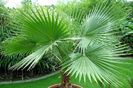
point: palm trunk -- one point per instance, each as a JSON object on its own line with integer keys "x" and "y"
{"x": 65, "y": 81}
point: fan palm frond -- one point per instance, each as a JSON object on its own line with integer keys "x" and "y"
{"x": 94, "y": 49}
{"x": 31, "y": 60}
{"x": 99, "y": 63}
{"x": 43, "y": 29}
{"x": 45, "y": 23}
{"x": 96, "y": 55}
{"x": 100, "y": 25}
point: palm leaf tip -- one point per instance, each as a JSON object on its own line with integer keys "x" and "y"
{"x": 31, "y": 60}
{"x": 48, "y": 25}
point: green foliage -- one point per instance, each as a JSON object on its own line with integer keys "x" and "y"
{"x": 42, "y": 32}
{"x": 2, "y": 2}
{"x": 126, "y": 29}
{"x": 21, "y": 46}
{"x": 90, "y": 33}
{"x": 10, "y": 26}
{"x": 6, "y": 29}
{"x": 26, "y": 5}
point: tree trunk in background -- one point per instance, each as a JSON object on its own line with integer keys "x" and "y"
{"x": 11, "y": 75}
{"x": 32, "y": 72}
{"x": 22, "y": 77}
{"x": 5, "y": 69}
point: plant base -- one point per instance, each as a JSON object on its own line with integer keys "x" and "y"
{"x": 58, "y": 86}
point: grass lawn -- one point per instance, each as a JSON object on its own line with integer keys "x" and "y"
{"x": 44, "y": 83}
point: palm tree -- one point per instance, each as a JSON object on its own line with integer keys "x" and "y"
{"x": 86, "y": 44}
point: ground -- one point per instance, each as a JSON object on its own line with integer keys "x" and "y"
{"x": 46, "y": 82}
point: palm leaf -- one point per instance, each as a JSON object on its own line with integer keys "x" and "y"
{"x": 44, "y": 23}
{"x": 100, "y": 63}
{"x": 31, "y": 60}
{"x": 18, "y": 45}
{"x": 42, "y": 29}
{"x": 99, "y": 26}
{"x": 96, "y": 54}
{"x": 95, "y": 47}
